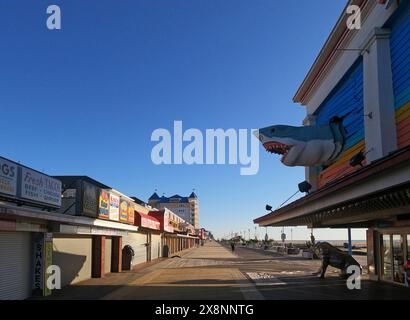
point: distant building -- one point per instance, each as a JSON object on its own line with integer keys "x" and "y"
{"x": 185, "y": 207}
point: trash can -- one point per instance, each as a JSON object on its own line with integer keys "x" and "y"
{"x": 127, "y": 257}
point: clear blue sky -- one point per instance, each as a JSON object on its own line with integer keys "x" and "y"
{"x": 84, "y": 100}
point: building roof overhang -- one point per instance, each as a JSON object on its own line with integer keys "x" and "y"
{"x": 380, "y": 186}
{"x": 339, "y": 38}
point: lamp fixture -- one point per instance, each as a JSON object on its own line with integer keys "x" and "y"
{"x": 357, "y": 159}
{"x": 304, "y": 187}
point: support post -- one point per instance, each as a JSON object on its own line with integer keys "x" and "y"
{"x": 98, "y": 256}
{"x": 116, "y": 258}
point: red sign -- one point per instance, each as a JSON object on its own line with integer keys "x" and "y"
{"x": 163, "y": 217}
{"x": 146, "y": 221}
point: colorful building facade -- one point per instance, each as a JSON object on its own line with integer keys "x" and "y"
{"x": 363, "y": 77}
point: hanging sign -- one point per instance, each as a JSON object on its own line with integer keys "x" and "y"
{"x": 8, "y": 177}
{"x": 124, "y": 211}
{"x": 114, "y": 207}
{"x": 43, "y": 256}
{"x": 131, "y": 214}
{"x": 39, "y": 187}
{"x": 104, "y": 205}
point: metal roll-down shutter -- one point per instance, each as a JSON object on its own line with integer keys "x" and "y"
{"x": 15, "y": 265}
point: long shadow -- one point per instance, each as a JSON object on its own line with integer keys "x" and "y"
{"x": 70, "y": 264}
{"x": 213, "y": 289}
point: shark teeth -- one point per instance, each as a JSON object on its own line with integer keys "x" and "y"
{"x": 277, "y": 148}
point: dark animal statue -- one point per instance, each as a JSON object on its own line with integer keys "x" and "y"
{"x": 332, "y": 256}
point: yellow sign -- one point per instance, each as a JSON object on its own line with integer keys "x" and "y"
{"x": 48, "y": 261}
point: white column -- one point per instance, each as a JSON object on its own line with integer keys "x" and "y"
{"x": 311, "y": 172}
{"x": 379, "y": 113}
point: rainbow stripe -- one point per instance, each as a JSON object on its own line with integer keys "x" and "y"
{"x": 341, "y": 167}
{"x": 403, "y": 125}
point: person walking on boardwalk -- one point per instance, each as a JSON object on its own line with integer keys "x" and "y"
{"x": 233, "y": 246}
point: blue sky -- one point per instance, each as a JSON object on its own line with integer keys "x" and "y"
{"x": 84, "y": 100}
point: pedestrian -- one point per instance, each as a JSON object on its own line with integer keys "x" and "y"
{"x": 233, "y": 246}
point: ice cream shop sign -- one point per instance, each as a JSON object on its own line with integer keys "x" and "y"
{"x": 23, "y": 185}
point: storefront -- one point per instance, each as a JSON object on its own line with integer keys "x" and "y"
{"x": 39, "y": 228}
{"x": 74, "y": 254}
{"x": 177, "y": 234}
{"x": 101, "y": 250}
{"x": 392, "y": 246}
{"x": 139, "y": 244}
{"x": 367, "y": 185}
{"x": 151, "y": 226}
{"x": 26, "y": 192}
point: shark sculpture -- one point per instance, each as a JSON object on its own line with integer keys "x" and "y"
{"x": 304, "y": 146}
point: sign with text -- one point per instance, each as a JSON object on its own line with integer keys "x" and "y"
{"x": 131, "y": 213}
{"x": 43, "y": 256}
{"x": 149, "y": 222}
{"x": 124, "y": 211}
{"x": 104, "y": 205}
{"x": 40, "y": 188}
{"x": 167, "y": 220}
{"x": 90, "y": 200}
{"x": 8, "y": 177}
{"x": 114, "y": 207}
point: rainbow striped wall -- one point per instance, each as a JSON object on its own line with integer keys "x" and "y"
{"x": 400, "y": 56}
{"x": 346, "y": 100}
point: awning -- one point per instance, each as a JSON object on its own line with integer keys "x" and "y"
{"x": 163, "y": 217}
{"x": 146, "y": 221}
{"x": 8, "y": 211}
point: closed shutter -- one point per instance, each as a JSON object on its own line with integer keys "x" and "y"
{"x": 73, "y": 255}
{"x": 137, "y": 241}
{"x": 15, "y": 265}
{"x": 155, "y": 246}
{"x": 107, "y": 258}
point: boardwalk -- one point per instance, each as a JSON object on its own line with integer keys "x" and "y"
{"x": 214, "y": 272}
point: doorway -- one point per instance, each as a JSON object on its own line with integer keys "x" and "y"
{"x": 395, "y": 250}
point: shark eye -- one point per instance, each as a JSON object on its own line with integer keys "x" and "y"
{"x": 272, "y": 130}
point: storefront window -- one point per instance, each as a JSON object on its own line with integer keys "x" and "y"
{"x": 386, "y": 258}
{"x": 408, "y": 247}
{"x": 398, "y": 258}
